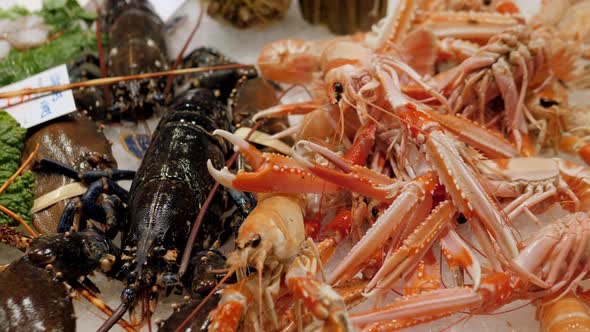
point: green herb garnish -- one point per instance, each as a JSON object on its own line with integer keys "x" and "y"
{"x": 65, "y": 17}
{"x": 19, "y": 196}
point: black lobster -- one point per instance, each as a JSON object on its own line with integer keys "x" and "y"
{"x": 167, "y": 193}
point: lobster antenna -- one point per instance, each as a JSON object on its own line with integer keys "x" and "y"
{"x": 114, "y": 318}
{"x": 115, "y": 79}
{"x": 194, "y": 312}
{"x": 260, "y": 296}
{"x": 184, "y": 47}
{"x": 19, "y": 219}
{"x": 102, "y": 306}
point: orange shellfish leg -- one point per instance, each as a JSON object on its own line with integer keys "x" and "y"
{"x": 466, "y": 190}
{"x": 300, "y": 108}
{"x": 226, "y": 317}
{"x": 459, "y": 255}
{"x": 339, "y": 226}
{"x": 390, "y": 222}
{"x": 425, "y": 277}
{"x": 526, "y": 149}
{"x": 497, "y": 289}
{"x": 417, "y": 309}
{"x": 336, "y": 230}
{"x": 491, "y": 143}
{"x": 271, "y": 172}
{"x": 363, "y": 145}
{"x": 321, "y": 301}
{"x": 573, "y": 144}
{"x": 413, "y": 249}
{"x": 346, "y": 175}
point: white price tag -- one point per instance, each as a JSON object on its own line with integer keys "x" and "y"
{"x": 165, "y": 8}
{"x": 31, "y": 110}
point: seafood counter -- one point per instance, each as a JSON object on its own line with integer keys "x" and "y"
{"x": 431, "y": 173}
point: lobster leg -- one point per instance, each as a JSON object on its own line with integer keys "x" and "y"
{"x": 113, "y": 208}
{"x": 553, "y": 252}
{"x": 412, "y": 310}
{"x": 86, "y": 176}
{"x": 333, "y": 233}
{"x": 515, "y": 115}
{"x": 276, "y": 173}
{"x": 87, "y": 205}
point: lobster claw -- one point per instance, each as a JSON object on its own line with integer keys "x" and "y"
{"x": 271, "y": 172}
{"x": 347, "y": 175}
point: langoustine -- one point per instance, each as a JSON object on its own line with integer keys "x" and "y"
{"x": 272, "y": 240}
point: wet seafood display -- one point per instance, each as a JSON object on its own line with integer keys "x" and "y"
{"x": 429, "y": 172}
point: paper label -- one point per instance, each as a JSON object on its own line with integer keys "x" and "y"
{"x": 31, "y": 110}
{"x": 165, "y": 9}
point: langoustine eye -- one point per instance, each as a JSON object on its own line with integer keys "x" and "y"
{"x": 338, "y": 90}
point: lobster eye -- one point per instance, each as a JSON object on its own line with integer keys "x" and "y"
{"x": 256, "y": 241}
{"x": 375, "y": 211}
{"x": 338, "y": 90}
{"x": 487, "y": 2}
{"x": 546, "y": 103}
